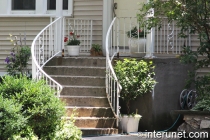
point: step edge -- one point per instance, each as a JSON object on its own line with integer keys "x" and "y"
{"x": 73, "y": 107}
{"x": 83, "y": 67}
{"x": 71, "y": 76}
{"x": 68, "y": 96}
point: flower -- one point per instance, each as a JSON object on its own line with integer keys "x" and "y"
{"x": 65, "y": 39}
{"x": 135, "y": 33}
{"x": 73, "y": 39}
{"x": 7, "y": 60}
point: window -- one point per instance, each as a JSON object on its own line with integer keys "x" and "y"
{"x": 23, "y": 4}
{"x": 51, "y": 4}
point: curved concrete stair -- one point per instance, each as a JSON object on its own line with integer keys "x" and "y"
{"x": 78, "y": 61}
{"x": 86, "y": 101}
{"x": 95, "y": 122}
{"x": 90, "y": 111}
{"x": 84, "y": 91}
{"x": 99, "y": 131}
{"x": 79, "y": 80}
{"x": 75, "y": 70}
{"x": 83, "y": 79}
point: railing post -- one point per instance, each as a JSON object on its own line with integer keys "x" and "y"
{"x": 33, "y": 69}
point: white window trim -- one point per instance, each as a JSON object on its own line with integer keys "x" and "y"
{"x": 68, "y": 12}
{"x": 40, "y": 9}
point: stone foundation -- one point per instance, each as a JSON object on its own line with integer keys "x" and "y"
{"x": 195, "y": 122}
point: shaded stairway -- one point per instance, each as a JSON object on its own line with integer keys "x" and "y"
{"x": 83, "y": 79}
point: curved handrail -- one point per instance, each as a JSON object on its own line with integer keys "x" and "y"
{"x": 36, "y": 62}
{"x": 113, "y": 87}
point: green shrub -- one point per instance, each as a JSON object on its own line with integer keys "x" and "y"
{"x": 11, "y": 120}
{"x": 202, "y": 105}
{"x": 68, "y": 131}
{"x": 39, "y": 104}
{"x": 135, "y": 77}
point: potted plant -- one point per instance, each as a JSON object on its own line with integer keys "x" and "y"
{"x": 96, "y": 50}
{"x": 72, "y": 44}
{"x": 137, "y": 42}
{"x": 136, "y": 79}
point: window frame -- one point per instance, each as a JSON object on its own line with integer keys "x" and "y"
{"x": 40, "y": 9}
{"x": 68, "y": 12}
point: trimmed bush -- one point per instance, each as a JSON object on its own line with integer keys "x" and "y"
{"x": 135, "y": 77}
{"x": 11, "y": 120}
{"x": 37, "y": 103}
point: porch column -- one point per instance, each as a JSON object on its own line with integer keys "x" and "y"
{"x": 107, "y": 19}
{"x": 58, "y": 28}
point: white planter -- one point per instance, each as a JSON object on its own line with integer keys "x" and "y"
{"x": 129, "y": 123}
{"x": 73, "y": 50}
{"x": 137, "y": 47}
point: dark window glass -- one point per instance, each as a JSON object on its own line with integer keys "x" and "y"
{"x": 23, "y": 4}
{"x": 65, "y": 4}
{"x": 51, "y": 4}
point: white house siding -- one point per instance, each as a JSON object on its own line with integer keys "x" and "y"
{"x": 16, "y": 25}
{"x": 91, "y": 9}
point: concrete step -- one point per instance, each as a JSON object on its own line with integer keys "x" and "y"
{"x": 90, "y": 111}
{"x": 85, "y": 101}
{"x": 79, "y": 80}
{"x": 78, "y": 61}
{"x": 97, "y": 91}
{"x": 99, "y": 131}
{"x": 75, "y": 70}
{"x": 95, "y": 122}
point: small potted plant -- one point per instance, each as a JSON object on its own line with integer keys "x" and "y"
{"x": 136, "y": 79}
{"x": 96, "y": 50}
{"x": 137, "y": 42}
{"x": 72, "y": 44}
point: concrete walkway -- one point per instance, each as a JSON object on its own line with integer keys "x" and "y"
{"x": 124, "y": 137}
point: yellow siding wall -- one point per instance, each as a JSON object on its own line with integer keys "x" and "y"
{"x": 15, "y": 26}
{"x": 91, "y": 9}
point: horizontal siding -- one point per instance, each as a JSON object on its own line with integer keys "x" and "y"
{"x": 15, "y": 26}
{"x": 91, "y": 9}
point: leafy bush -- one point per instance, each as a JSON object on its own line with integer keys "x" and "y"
{"x": 37, "y": 102}
{"x": 135, "y": 77}
{"x": 11, "y": 119}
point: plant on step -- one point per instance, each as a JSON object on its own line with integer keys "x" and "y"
{"x": 135, "y": 77}
{"x": 17, "y": 61}
{"x": 72, "y": 39}
{"x": 96, "y": 50}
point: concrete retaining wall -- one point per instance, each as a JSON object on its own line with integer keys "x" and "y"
{"x": 155, "y": 107}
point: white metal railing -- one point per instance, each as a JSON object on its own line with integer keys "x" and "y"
{"x": 163, "y": 41}
{"x": 113, "y": 87}
{"x": 45, "y": 46}
{"x": 123, "y": 40}
{"x": 83, "y": 28}
{"x": 167, "y": 40}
